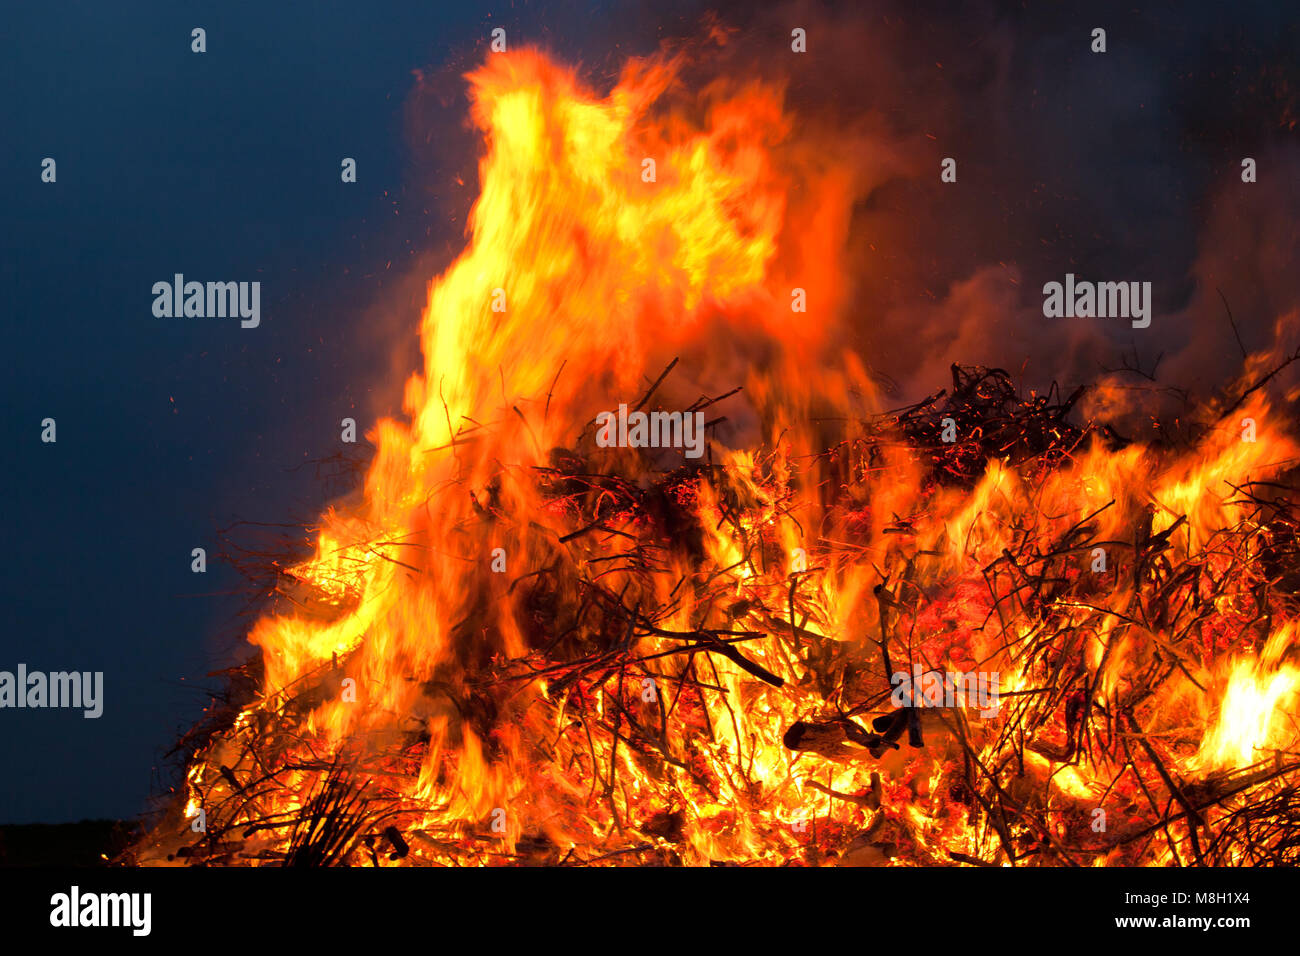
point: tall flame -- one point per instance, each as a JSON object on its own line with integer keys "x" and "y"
{"x": 611, "y": 233}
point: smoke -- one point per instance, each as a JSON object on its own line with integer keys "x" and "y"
{"x": 1115, "y": 166}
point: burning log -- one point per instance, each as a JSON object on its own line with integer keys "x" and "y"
{"x": 830, "y": 738}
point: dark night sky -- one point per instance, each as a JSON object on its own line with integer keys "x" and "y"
{"x": 225, "y": 166}
{"x": 222, "y": 166}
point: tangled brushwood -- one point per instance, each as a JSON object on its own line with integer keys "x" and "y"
{"x": 705, "y": 661}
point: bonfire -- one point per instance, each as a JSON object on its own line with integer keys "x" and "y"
{"x": 984, "y": 629}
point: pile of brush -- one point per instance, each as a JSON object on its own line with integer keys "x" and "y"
{"x": 724, "y": 703}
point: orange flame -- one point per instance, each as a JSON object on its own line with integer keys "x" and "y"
{"x": 581, "y": 275}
